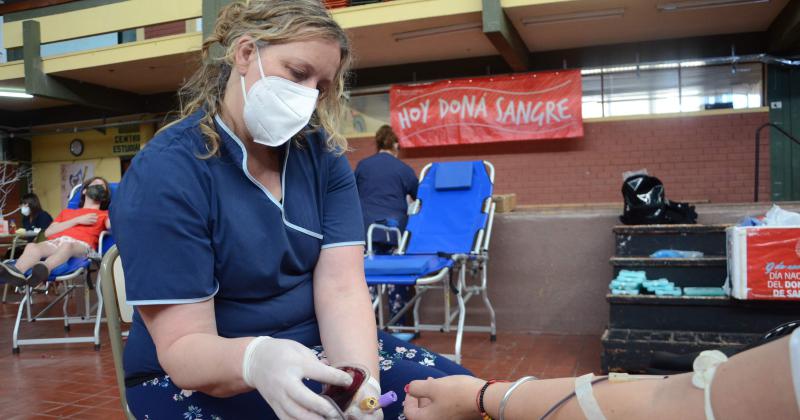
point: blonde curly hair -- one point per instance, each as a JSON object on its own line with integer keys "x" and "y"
{"x": 267, "y": 22}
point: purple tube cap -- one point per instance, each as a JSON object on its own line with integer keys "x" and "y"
{"x": 387, "y": 399}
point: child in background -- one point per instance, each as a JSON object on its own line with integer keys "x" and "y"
{"x": 74, "y": 233}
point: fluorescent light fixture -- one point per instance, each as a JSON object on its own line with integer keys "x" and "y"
{"x": 9, "y": 93}
{"x": 658, "y": 66}
{"x": 461, "y": 27}
{"x": 698, "y": 63}
{"x": 574, "y": 17}
{"x": 703, "y": 4}
{"x": 618, "y": 69}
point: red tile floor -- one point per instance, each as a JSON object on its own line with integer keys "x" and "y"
{"x": 74, "y": 381}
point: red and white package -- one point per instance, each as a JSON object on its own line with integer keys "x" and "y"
{"x": 764, "y": 262}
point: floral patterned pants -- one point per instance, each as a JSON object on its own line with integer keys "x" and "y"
{"x": 398, "y": 296}
{"x": 400, "y": 363}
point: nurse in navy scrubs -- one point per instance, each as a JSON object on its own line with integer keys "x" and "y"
{"x": 241, "y": 236}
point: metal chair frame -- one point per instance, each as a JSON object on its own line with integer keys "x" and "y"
{"x": 70, "y": 282}
{"x": 478, "y": 259}
{"x": 108, "y": 282}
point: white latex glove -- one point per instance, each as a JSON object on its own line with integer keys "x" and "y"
{"x": 276, "y": 368}
{"x": 371, "y": 388}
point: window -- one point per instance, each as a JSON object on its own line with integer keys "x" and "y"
{"x": 366, "y": 114}
{"x": 80, "y": 44}
{"x": 643, "y": 92}
{"x": 736, "y": 87}
{"x": 77, "y": 45}
{"x": 592, "y": 96}
{"x": 670, "y": 87}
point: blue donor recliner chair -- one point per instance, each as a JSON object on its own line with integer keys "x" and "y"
{"x": 445, "y": 243}
{"x": 70, "y": 276}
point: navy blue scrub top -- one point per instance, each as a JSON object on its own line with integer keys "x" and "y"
{"x": 383, "y": 183}
{"x": 43, "y": 220}
{"x": 191, "y": 229}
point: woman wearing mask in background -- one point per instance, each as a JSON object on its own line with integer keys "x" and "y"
{"x": 241, "y": 236}
{"x": 33, "y": 217}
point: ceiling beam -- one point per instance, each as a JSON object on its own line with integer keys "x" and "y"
{"x": 27, "y": 5}
{"x": 39, "y": 83}
{"x": 156, "y": 104}
{"x": 504, "y": 36}
{"x": 784, "y": 32}
{"x": 32, "y": 9}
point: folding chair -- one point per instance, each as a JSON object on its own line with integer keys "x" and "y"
{"x": 73, "y": 274}
{"x": 447, "y": 238}
{"x": 106, "y": 238}
{"x": 112, "y": 283}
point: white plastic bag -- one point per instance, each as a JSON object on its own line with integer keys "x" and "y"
{"x": 777, "y": 216}
{"x": 628, "y": 174}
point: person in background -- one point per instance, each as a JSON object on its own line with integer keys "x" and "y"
{"x": 33, "y": 216}
{"x": 74, "y": 233}
{"x": 386, "y": 186}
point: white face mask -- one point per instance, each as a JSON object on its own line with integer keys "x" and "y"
{"x": 25, "y": 210}
{"x": 275, "y": 109}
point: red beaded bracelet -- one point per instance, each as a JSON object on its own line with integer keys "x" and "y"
{"x": 479, "y": 399}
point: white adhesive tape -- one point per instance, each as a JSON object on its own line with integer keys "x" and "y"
{"x": 585, "y": 396}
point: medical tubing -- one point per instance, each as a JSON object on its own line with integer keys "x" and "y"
{"x": 504, "y": 402}
{"x": 781, "y": 330}
{"x": 564, "y": 400}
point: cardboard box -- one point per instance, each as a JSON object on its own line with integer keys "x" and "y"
{"x": 764, "y": 262}
{"x": 504, "y": 203}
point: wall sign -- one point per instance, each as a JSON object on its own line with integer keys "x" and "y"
{"x": 531, "y": 106}
{"x": 126, "y": 144}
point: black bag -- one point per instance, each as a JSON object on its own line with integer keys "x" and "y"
{"x": 645, "y": 204}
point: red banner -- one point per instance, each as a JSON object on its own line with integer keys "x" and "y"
{"x": 532, "y": 106}
{"x": 773, "y": 263}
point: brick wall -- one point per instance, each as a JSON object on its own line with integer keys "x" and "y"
{"x": 165, "y": 29}
{"x": 698, "y": 158}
